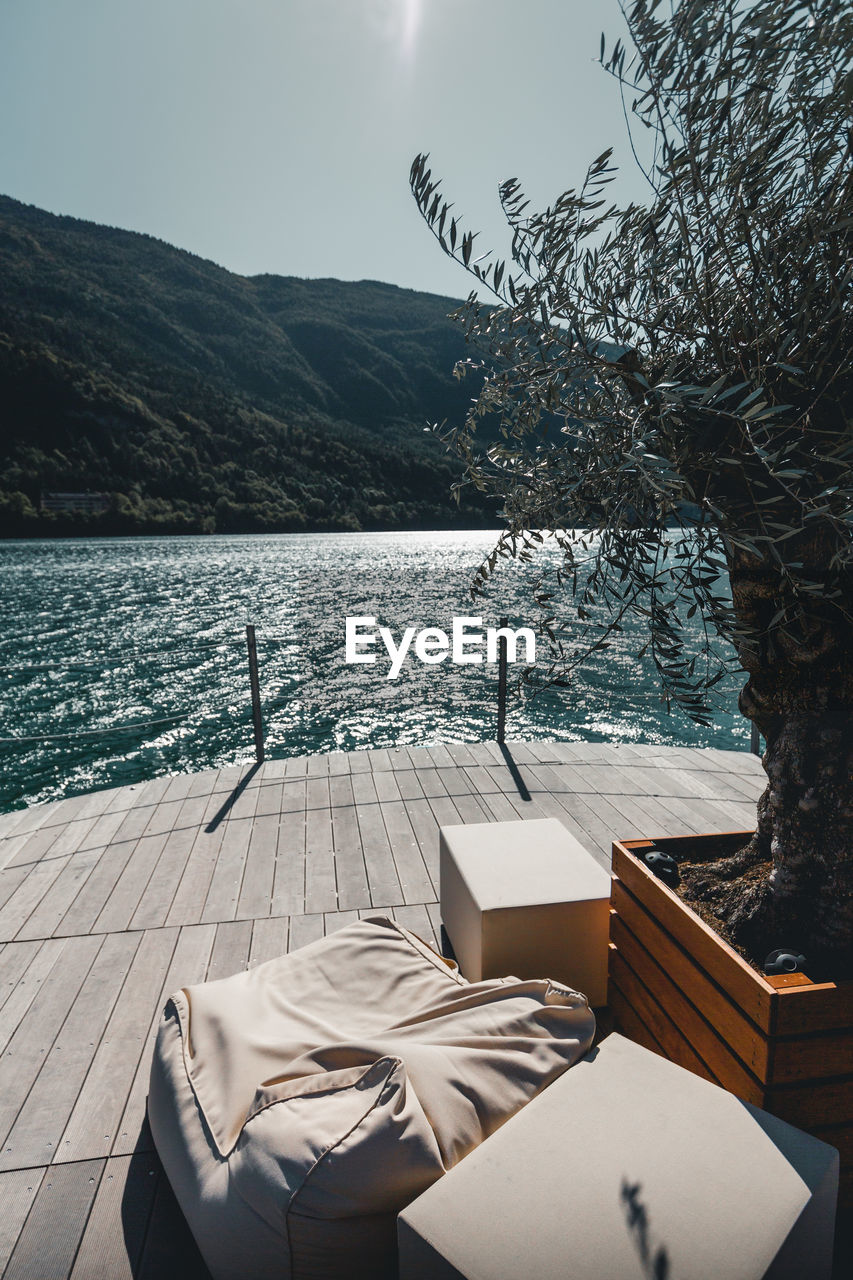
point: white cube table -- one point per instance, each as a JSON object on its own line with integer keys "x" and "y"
{"x": 525, "y": 898}
{"x": 628, "y": 1167}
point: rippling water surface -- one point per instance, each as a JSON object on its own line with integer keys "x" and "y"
{"x": 124, "y": 659}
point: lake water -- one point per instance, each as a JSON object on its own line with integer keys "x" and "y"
{"x": 124, "y": 659}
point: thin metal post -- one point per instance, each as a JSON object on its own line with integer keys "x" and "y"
{"x": 256, "y": 693}
{"x": 755, "y": 740}
{"x": 502, "y": 683}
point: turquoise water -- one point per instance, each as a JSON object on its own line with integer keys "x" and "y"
{"x": 99, "y": 635}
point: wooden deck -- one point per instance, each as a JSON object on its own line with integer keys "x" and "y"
{"x": 110, "y": 901}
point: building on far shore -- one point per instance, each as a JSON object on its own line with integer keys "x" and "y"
{"x": 93, "y": 502}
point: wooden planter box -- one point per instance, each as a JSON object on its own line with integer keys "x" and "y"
{"x": 783, "y": 1043}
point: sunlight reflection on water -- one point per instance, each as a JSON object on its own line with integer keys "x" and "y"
{"x": 100, "y": 634}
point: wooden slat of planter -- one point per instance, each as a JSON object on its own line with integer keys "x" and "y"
{"x": 626, "y": 1019}
{"x": 813, "y": 1103}
{"x": 672, "y": 1043}
{"x": 713, "y": 1050}
{"x": 745, "y": 1038}
{"x": 824, "y": 1006}
{"x": 813, "y": 1057}
{"x": 755, "y": 996}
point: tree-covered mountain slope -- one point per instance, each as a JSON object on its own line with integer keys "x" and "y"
{"x": 199, "y": 400}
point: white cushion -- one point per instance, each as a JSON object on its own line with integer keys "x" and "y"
{"x": 299, "y": 1106}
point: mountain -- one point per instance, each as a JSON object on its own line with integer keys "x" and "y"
{"x": 196, "y": 400}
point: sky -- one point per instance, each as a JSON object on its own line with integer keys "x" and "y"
{"x": 277, "y": 135}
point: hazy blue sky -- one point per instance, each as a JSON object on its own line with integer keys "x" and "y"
{"x": 276, "y": 135}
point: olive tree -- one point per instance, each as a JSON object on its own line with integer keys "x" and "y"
{"x": 675, "y": 376}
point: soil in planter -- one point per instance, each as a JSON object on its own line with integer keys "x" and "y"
{"x": 702, "y": 877}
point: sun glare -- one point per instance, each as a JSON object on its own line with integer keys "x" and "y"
{"x": 411, "y": 21}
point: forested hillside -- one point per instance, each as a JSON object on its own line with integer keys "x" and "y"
{"x": 202, "y": 401}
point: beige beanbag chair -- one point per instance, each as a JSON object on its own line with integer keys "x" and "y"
{"x": 299, "y": 1106}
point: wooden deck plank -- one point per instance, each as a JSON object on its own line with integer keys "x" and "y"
{"x": 224, "y": 892}
{"x": 92, "y": 1125}
{"x": 416, "y": 919}
{"x": 34, "y": 1137}
{"x": 293, "y": 796}
{"x": 471, "y": 809}
{"x": 244, "y": 803}
{"x": 412, "y": 872}
{"x": 272, "y": 770}
{"x": 269, "y": 800}
{"x": 125, "y": 897}
{"x": 115, "y": 1232}
{"x": 74, "y": 836}
{"x": 305, "y": 929}
{"x": 18, "y": 1190}
{"x": 461, "y": 754}
{"x": 444, "y": 811}
{"x": 147, "y": 793}
{"x": 50, "y": 814}
{"x": 379, "y": 861}
{"x": 169, "y": 1248}
{"x": 454, "y": 782}
{"x": 256, "y": 890}
{"x": 59, "y": 897}
{"x": 434, "y": 913}
{"x": 380, "y": 759}
{"x": 10, "y": 847}
{"x": 359, "y": 762}
{"x": 288, "y": 894}
{"x": 133, "y": 823}
{"x": 101, "y": 832}
{"x": 92, "y": 897}
{"x": 191, "y": 813}
{"x": 189, "y": 964}
{"x": 340, "y": 791}
{"x": 95, "y": 802}
{"x": 334, "y": 920}
{"x": 10, "y": 879}
{"x": 497, "y": 808}
{"x": 430, "y": 783}
{"x": 269, "y": 939}
{"x": 55, "y": 1224}
{"x": 386, "y": 786}
{"x": 188, "y": 902}
{"x": 296, "y": 767}
{"x": 363, "y": 788}
{"x": 338, "y": 763}
{"x": 155, "y": 903}
{"x": 29, "y": 965}
{"x": 590, "y": 819}
{"x": 408, "y": 785}
{"x": 31, "y": 1042}
{"x": 317, "y": 792}
{"x": 10, "y": 821}
{"x": 15, "y": 958}
{"x": 320, "y": 886}
{"x": 425, "y": 827}
{"x": 650, "y": 816}
{"x": 749, "y": 784}
{"x": 27, "y": 895}
{"x": 317, "y": 766}
{"x": 699, "y": 814}
{"x": 350, "y": 869}
{"x": 230, "y": 952}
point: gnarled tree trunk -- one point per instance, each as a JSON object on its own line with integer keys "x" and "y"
{"x": 798, "y": 891}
